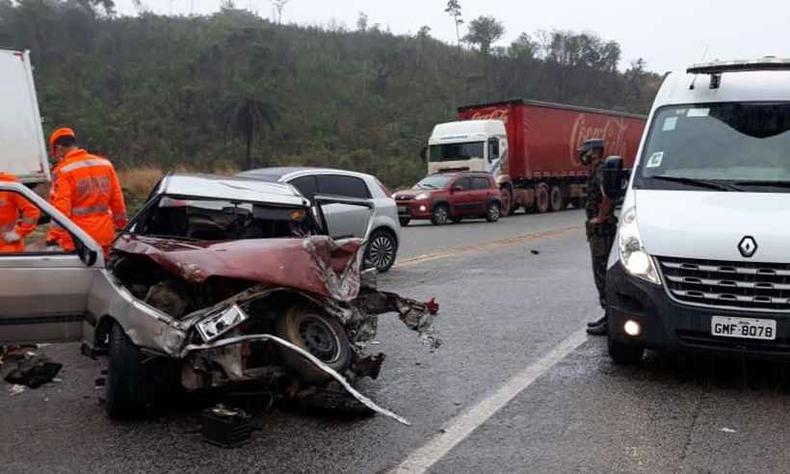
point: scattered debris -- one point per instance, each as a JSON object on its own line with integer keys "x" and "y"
{"x": 728, "y": 430}
{"x": 534, "y": 252}
{"x": 16, "y": 389}
{"x": 226, "y": 427}
{"x": 29, "y": 369}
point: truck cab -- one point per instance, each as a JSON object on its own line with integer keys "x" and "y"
{"x": 470, "y": 145}
{"x": 701, "y": 261}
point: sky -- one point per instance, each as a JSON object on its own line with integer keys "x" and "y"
{"x": 668, "y": 34}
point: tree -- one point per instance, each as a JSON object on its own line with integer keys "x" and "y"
{"x": 245, "y": 119}
{"x": 362, "y": 22}
{"x": 424, "y": 32}
{"x": 454, "y": 10}
{"x": 279, "y": 5}
{"x": 484, "y": 31}
{"x": 523, "y": 47}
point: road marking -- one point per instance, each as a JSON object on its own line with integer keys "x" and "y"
{"x": 477, "y": 248}
{"x": 460, "y": 427}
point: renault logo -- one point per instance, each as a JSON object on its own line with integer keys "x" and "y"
{"x": 747, "y": 246}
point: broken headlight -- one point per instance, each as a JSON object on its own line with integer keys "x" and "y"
{"x": 632, "y": 253}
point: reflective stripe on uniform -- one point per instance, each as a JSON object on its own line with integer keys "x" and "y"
{"x": 85, "y": 164}
{"x": 86, "y": 210}
{"x": 31, "y": 221}
{"x": 8, "y": 227}
{"x": 119, "y": 217}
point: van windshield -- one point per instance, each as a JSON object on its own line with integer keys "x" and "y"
{"x": 723, "y": 146}
{"x": 456, "y": 151}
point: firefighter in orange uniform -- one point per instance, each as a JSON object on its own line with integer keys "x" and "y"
{"x": 18, "y": 217}
{"x": 85, "y": 188}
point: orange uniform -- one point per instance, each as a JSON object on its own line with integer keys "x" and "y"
{"x": 18, "y": 217}
{"x": 87, "y": 191}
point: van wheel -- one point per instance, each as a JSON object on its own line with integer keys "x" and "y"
{"x": 320, "y": 335}
{"x": 492, "y": 213}
{"x": 127, "y": 390}
{"x": 557, "y": 200}
{"x": 440, "y": 215}
{"x": 542, "y": 198}
{"x": 625, "y": 354}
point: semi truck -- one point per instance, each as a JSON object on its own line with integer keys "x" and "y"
{"x": 22, "y": 149}
{"x": 530, "y": 148}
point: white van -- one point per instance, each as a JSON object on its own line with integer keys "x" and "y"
{"x": 22, "y": 149}
{"x": 702, "y": 257}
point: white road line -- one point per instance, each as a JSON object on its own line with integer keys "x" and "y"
{"x": 460, "y": 427}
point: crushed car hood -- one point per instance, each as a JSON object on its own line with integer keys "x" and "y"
{"x": 316, "y": 264}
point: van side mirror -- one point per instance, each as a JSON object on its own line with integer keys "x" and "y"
{"x": 613, "y": 174}
{"x": 424, "y": 154}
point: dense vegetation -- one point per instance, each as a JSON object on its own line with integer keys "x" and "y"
{"x": 200, "y": 91}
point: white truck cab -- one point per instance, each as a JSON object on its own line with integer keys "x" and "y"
{"x": 468, "y": 145}
{"x": 702, "y": 257}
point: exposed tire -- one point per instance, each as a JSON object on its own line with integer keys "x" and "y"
{"x": 382, "y": 250}
{"x": 556, "y": 199}
{"x": 404, "y": 221}
{"x": 507, "y": 202}
{"x": 320, "y": 335}
{"x": 542, "y": 198}
{"x": 625, "y": 354}
{"x": 440, "y": 214}
{"x": 492, "y": 212}
{"x": 127, "y": 389}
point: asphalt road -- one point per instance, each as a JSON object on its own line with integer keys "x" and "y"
{"x": 514, "y": 388}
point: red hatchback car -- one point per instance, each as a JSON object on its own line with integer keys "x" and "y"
{"x": 445, "y": 197}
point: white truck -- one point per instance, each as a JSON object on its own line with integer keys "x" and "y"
{"x": 701, "y": 261}
{"x": 22, "y": 147}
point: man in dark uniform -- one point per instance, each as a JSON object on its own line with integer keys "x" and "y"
{"x": 601, "y": 224}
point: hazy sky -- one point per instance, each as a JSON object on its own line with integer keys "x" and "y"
{"x": 668, "y": 34}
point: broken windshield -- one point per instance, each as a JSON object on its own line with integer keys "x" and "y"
{"x": 745, "y": 144}
{"x": 217, "y": 220}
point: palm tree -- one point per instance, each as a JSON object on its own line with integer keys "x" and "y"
{"x": 246, "y": 117}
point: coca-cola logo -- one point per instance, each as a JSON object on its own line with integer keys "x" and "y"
{"x": 611, "y": 130}
{"x": 494, "y": 114}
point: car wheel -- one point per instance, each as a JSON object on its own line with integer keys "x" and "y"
{"x": 320, "y": 335}
{"x": 440, "y": 215}
{"x": 404, "y": 221}
{"x": 557, "y": 200}
{"x": 456, "y": 220}
{"x": 127, "y": 391}
{"x": 625, "y": 354}
{"x": 492, "y": 212}
{"x": 542, "y": 198}
{"x": 381, "y": 250}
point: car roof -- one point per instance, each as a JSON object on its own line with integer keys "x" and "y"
{"x": 277, "y": 172}
{"x": 230, "y": 188}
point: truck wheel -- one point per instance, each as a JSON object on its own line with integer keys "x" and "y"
{"x": 404, "y": 221}
{"x": 127, "y": 390}
{"x": 625, "y": 354}
{"x": 492, "y": 213}
{"x": 557, "y": 200}
{"x": 507, "y": 202}
{"x": 318, "y": 334}
{"x": 542, "y": 198}
{"x": 440, "y": 214}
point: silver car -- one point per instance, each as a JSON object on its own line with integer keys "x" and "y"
{"x": 344, "y": 220}
{"x": 216, "y": 282}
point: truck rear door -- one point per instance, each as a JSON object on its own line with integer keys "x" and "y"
{"x": 44, "y": 292}
{"x": 22, "y": 149}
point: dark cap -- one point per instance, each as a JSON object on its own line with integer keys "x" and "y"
{"x": 591, "y": 144}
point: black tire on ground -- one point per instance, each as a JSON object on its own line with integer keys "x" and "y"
{"x": 382, "y": 250}
{"x": 320, "y": 335}
{"x": 507, "y": 202}
{"x": 492, "y": 212}
{"x": 542, "y": 198}
{"x": 625, "y": 354}
{"x": 440, "y": 214}
{"x": 127, "y": 389}
{"x": 556, "y": 199}
{"x": 404, "y": 221}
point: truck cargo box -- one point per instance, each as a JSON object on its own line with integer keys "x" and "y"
{"x": 22, "y": 148}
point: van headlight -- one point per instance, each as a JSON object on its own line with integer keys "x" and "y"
{"x": 422, "y": 197}
{"x": 632, "y": 254}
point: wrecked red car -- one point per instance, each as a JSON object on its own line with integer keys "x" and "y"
{"x": 223, "y": 283}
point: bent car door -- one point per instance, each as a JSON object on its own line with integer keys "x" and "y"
{"x": 43, "y": 290}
